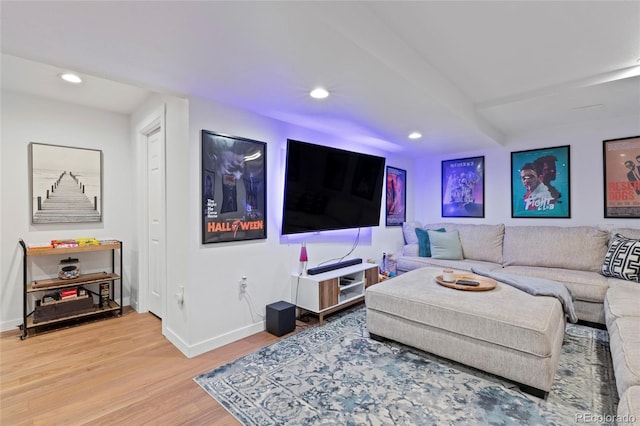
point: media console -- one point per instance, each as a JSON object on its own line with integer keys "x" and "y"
{"x": 326, "y": 292}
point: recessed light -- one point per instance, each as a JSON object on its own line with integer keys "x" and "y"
{"x": 71, "y": 78}
{"x": 415, "y": 135}
{"x": 319, "y": 93}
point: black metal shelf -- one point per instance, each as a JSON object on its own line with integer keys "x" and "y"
{"x": 49, "y": 284}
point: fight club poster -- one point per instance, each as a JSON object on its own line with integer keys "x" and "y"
{"x": 540, "y": 181}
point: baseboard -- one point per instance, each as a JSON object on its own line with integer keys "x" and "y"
{"x": 216, "y": 342}
{"x": 10, "y": 325}
{"x": 176, "y": 341}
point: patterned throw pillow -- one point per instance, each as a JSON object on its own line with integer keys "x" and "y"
{"x": 622, "y": 259}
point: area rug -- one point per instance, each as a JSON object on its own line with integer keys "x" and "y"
{"x": 336, "y": 375}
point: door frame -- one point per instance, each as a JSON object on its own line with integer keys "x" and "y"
{"x": 146, "y": 127}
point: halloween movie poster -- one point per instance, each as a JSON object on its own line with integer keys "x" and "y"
{"x": 233, "y": 188}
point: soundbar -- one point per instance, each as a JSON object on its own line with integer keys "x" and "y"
{"x": 333, "y": 266}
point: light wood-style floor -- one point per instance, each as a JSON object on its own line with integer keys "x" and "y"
{"x": 108, "y": 372}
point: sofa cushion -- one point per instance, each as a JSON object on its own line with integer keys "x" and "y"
{"x": 625, "y": 352}
{"x": 482, "y": 242}
{"x": 424, "y": 244}
{"x": 583, "y": 285}
{"x": 409, "y": 232}
{"x": 410, "y": 250}
{"x": 445, "y": 245}
{"x": 622, "y": 259}
{"x": 622, "y": 301}
{"x": 629, "y": 407}
{"x": 409, "y": 263}
{"x": 581, "y": 247}
{"x": 627, "y": 232}
{"x": 479, "y": 242}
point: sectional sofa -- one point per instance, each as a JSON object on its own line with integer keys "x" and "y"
{"x": 578, "y": 257}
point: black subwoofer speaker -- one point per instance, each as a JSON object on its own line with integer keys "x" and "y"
{"x": 281, "y": 318}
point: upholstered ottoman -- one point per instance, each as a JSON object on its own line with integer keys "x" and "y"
{"x": 504, "y": 331}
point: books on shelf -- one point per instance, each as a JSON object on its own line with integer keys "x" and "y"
{"x": 69, "y": 293}
{"x": 87, "y": 241}
{"x": 40, "y": 246}
{"x": 108, "y": 241}
{"x": 64, "y": 243}
{"x": 104, "y": 295}
{"x": 72, "y": 242}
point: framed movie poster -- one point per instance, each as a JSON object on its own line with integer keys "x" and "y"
{"x": 540, "y": 183}
{"x": 234, "y": 188}
{"x": 463, "y": 187}
{"x": 66, "y": 184}
{"x": 622, "y": 177}
{"x": 396, "y": 196}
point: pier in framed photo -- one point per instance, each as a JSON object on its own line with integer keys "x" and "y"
{"x": 66, "y": 184}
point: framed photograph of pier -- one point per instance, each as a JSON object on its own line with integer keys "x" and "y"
{"x": 65, "y": 184}
{"x": 540, "y": 183}
{"x": 463, "y": 187}
{"x": 396, "y": 196}
{"x": 234, "y": 188}
{"x": 622, "y": 178}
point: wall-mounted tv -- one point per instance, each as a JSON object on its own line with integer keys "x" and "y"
{"x": 329, "y": 188}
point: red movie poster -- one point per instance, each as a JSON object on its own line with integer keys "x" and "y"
{"x": 622, "y": 178}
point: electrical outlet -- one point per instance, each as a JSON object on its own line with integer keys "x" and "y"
{"x": 180, "y": 295}
{"x": 243, "y": 285}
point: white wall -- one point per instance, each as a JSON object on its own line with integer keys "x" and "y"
{"x": 586, "y": 180}
{"x": 28, "y": 119}
{"x": 217, "y": 313}
{"x": 214, "y": 313}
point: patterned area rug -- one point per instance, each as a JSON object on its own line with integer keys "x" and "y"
{"x": 336, "y": 375}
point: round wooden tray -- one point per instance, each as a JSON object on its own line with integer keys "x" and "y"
{"x": 485, "y": 283}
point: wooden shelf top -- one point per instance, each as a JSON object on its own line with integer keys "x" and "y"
{"x": 31, "y": 251}
{"x": 53, "y": 283}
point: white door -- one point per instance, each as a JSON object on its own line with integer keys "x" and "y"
{"x": 155, "y": 221}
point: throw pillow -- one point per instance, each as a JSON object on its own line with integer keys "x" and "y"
{"x": 445, "y": 245}
{"x": 622, "y": 259}
{"x": 424, "y": 246}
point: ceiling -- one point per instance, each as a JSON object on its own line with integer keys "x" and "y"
{"x": 466, "y": 74}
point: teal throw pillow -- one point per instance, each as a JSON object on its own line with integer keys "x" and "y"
{"x": 445, "y": 245}
{"x": 424, "y": 246}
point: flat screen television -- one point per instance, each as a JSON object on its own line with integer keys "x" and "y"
{"x": 329, "y": 188}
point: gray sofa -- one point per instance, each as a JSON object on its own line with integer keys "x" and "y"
{"x": 571, "y": 255}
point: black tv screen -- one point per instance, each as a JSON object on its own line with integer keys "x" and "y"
{"x": 328, "y": 188}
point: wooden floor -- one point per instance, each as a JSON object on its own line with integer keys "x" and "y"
{"x": 113, "y": 371}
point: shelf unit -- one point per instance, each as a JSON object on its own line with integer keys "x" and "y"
{"x": 36, "y": 287}
{"x": 331, "y": 291}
